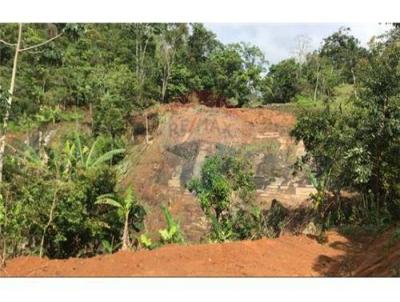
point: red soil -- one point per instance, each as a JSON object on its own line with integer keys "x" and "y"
{"x": 285, "y": 256}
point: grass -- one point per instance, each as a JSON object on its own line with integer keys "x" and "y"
{"x": 269, "y": 146}
{"x": 301, "y": 103}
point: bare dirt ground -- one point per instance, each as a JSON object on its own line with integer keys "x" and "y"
{"x": 286, "y": 256}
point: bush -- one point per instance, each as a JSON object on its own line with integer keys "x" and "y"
{"x": 53, "y": 212}
{"x": 226, "y": 191}
{"x": 274, "y": 219}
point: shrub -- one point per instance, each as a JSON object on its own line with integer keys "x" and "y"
{"x": 226, "y": 191}
{"x": 274, "y": 219}
{"x": 53, "y": 212}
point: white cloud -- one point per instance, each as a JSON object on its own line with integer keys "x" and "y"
{"x": 277, "y": 40}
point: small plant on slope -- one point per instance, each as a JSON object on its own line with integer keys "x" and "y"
{"x": 173, "y": 233}
{"x": 126, "y": 207}
{"x": 146, "y": 242}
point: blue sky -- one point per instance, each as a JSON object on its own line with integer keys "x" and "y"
{"x": 278, "y": 40}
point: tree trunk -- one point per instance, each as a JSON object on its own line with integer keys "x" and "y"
{"x": 49, "y": 222}
{"x": 90, "y": 114}
{"x": 354, "y": 83}
{"x": 163, "y": 90}
{"x": 9, "y": 101}
{"x": 4, "y": 255}
{"x": 147, "y": 128}
{"x": 125, "y": 235}
{"x": 316, "y": 86}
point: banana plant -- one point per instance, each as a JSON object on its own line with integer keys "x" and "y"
{"x": 125, "y": 206}
{"x": 49, "y": 114}
{"x": 89, "y": 157}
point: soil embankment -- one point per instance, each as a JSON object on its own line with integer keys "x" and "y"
{"x": 285, "y": 256}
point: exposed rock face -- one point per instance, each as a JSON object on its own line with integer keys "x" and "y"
{"x": 187, "y": 134}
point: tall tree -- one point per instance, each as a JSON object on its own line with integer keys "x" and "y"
{"x": 18, "y": 50}
{"x": 171, "y": 38}
{"x": 343, "y": 50}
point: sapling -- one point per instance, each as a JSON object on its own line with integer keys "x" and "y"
{"x": 125, "y": 207}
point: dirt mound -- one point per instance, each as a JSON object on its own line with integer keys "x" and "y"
{"x": 285, "y": 256}
{"x": 288, "y": 255}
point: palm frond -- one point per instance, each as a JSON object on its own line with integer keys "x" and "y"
{"x": 129, "y": 198}
{"x": 108, "y": 201}
{"x": 92, "y": 153}
{"x": 78, "y": 145}
{"x": 106, "y": 157}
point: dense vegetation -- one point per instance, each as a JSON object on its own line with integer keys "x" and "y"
{"x": 61, "y": 200}
{"x": 355, "y": 148}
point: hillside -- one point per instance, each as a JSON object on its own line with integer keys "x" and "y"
{"x": 183, "y": 136}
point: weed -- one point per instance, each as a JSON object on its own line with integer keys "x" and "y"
{"x": 146, "y": 242}
{"x": 172, "y": 233}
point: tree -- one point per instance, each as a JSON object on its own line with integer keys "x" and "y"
{"x": 235, "y": 72}
{"x": 378, "y": 120}
{"x": 302, "y": 48}
{"x": 355, "y": 149}
{"x": 343, "y": 50}
{"x": 171, "y": 38}
{"x": 51, "y": 212}
{"x": 89, "y": 157}
{"x": 18, "y": 49}
{"x": 284, "y": 81}
{"x": 145, "y": 43}
{"x": 320, "y": 76}
{"x": 201, "y": 43}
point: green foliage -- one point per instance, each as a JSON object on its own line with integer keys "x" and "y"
{"x": 90, "y": 156}
{"x": 319, "y": 77}
{"x": 109, "y": 117}
{"x": 235, "y": 72}
{"x": 343, "y": 50}
{"x": 146, "y": 242}
{"x": 60, "y": 201}
{"x": 108, "y": 247}
{"x": 225, "y": 191}
{"x": 172, "y": 233}
{"x": 355, "y": 149}
{"x": 128, "y": 210}
{"x": 282, "y": 81}
{"x": 53, "y": 212}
